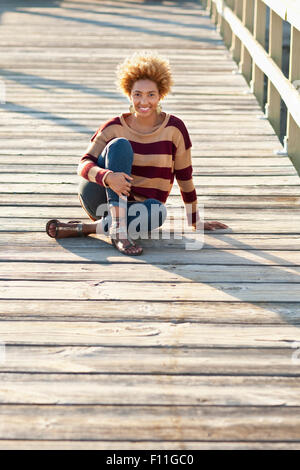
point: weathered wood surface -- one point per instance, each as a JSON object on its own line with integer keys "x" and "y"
{"x": 175, "y": 349}
{"x": 259, "y": 361}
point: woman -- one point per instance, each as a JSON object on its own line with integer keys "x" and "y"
{"x": 131, "y": 162}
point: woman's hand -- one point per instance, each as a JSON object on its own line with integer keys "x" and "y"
{"x": 214, "y": 225}
{"x": 119, "y": 183}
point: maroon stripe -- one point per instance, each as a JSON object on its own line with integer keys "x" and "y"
{"x": 193, "y": 217}
{"x": 190, "y": 196}
{"x": 179, "y": 124}
{"x": 86, "y": 169}
{"x": 111, "y": 122}
{"x": 154, "y": 148}
{"x": 152, "y": 171}
{"x": 184, "y": 174}
{"x": 99, "y": 175}
{"x": 87, "y": 156}
{"x": 150, "y": 193}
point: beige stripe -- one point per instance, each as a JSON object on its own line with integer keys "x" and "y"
{"x": 158, "y": 161}
{"x": 184, "y": 160}
{"x": 186, "y": 186}
{"x": 156, "y": 183}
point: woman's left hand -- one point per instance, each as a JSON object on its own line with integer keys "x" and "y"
{"x": 213, "y": 225}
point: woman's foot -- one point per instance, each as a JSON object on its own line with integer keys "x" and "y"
{"x": 122, "y": 242}
{"x": 57, "y": 229}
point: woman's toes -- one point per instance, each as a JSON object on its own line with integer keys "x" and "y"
{"x": 52, "y": 230}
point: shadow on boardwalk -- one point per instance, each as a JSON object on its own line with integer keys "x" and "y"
{"x": 240, "y": 288}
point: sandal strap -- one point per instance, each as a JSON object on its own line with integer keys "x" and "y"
{"x": 119, "y": 244}
{"x": 76, "y": 228}
{"x": 117, "y": 229}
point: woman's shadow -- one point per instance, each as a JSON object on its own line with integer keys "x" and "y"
{"x": 250, "y": 277}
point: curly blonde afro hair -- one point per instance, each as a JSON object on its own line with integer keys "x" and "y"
{"x": 144, "y": 65}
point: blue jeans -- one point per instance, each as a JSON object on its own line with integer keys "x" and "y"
{"x": 142, "y": 217}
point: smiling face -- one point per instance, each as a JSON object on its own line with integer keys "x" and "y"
{"x": 145, "y": 97}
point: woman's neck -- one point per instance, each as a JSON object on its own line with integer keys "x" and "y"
{"x": 146, "y": 125}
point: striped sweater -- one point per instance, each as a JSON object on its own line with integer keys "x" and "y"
{"x": 158, "y": 158}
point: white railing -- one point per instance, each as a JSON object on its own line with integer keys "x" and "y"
{"x": 242, "y": 24}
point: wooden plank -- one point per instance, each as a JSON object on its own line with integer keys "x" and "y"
{"x": 258, "y": 225}
{"x": 78, "y": 146}
{"x": 69, "y": 164}
{"x": 144, "y": 445}
{"x": 256, "y": 313}
{"x": 90, "y": 359}
{"x": 71, "y": 127}
{"x": 178, "y": 211}
{"x": 108, "y": 389}
{"x": 94, "y": 119}
{"x": 212, "y": 240}
{"x": 198, "y": 180}
{"x": 163, "y": 273}
{"x": 110, "y": 290}
{"x": 13, "y": 171}
{"x": 148, "y": 334}
{"x": 251, "y": 151}
{"x": 209, "y": 201}
{"x": 213, "y": 190}
{"x": 103, "y": 252}
{"x": 157, "y": 423}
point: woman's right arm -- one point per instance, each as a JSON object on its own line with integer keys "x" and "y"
{"x": 87, "y": 167}
{"x": 119, "y": 182}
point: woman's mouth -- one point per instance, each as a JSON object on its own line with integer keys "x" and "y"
{"x": 144, "y": 109}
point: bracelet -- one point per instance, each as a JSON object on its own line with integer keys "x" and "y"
{"x": 104, "y": 178}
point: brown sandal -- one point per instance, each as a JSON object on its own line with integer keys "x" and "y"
{"x": 74, "y": 230}
{"x": 124, "y": 244}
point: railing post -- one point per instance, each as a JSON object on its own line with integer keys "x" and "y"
{"x": 225, "y": 28}
{"x": 214, "y": 13}
{"x": 245, "y": 65}
{"x": 275, "y": 52}
{"x": 208, "y": 6}
{"x": 236, "y": 43}
{"x": 293, "y": 131}
{"x": 257, "y": 82}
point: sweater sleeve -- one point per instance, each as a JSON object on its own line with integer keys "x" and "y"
{"x": 88, "y": 167}
{"x": 183, "y": 172}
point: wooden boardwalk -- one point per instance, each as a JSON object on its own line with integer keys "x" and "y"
{"x": 175, "y": 349}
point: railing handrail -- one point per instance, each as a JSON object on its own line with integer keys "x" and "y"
{"x": 288, "y": 92}
{"x": 287, "y": 10}
{"x": 243, "y": 26}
